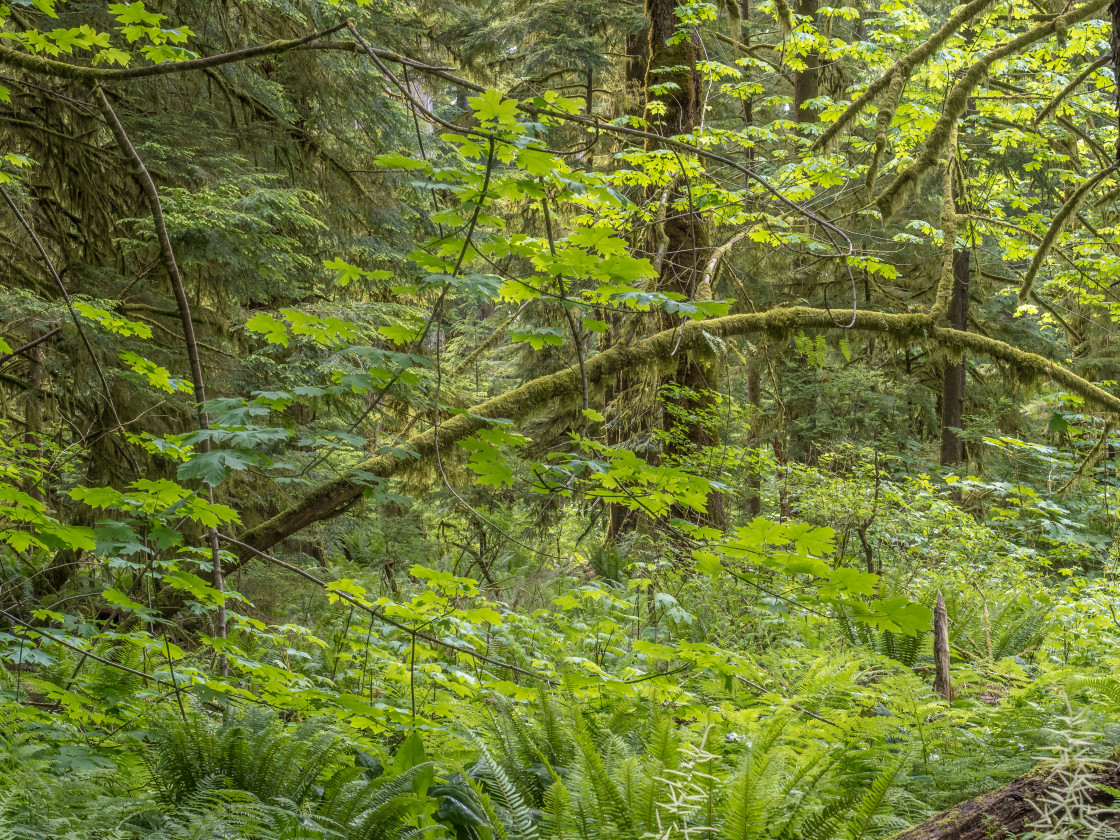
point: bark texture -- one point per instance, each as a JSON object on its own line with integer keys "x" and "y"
{"x": 942, "y": 684}
{"x": 952, "y": 394}
{"x": 687, "y": 246}
{"x": 806, "y": 83}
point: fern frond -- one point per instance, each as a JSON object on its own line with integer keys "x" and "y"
{"x": 515, "y": 817}
{"x": 857, "y": 826}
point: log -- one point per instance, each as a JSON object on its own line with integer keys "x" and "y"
{"x": 1007, "y": 811}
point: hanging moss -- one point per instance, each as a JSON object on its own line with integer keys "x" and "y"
{"x": 785, "y": 17}
{"x": 1091, "y": 459}
{"x": 534, "y": 397}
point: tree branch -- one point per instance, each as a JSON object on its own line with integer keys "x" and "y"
{"x": 520, "y": 404}
{"x": 42, "y": 66}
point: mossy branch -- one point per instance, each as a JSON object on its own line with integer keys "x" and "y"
{"x": 991, "y": 220}
{"x": 719, "y": 253}
{"x": 955, "y": 103}
{"x": 1091, "y": 459}
{"x": 1056, "y": 225}
{"x": 1070, "y": 88}
{"x": 949, "y": 222}
{"x": 902, "y": 69}
{"x": 490, "y": 341}
{"x": 883, "y": 125}
{"x": 536, "y": 396}
{"x": 42, "y": 66}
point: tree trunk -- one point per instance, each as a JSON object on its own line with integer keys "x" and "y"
{"x": 952, "y": 393}
{"x": 670, "y": 63}
{"x": 619, "y": 517}
{"x": 806, "y": 83}
{"x": 33, "y": 414}
{"x": 688, "y": 244}
{"x": 941, "y": 683}
{"x": 953, "y": 386}
{"x": 754, "y": 477}
{"x": 637, "y": 60}
{"x": 785, "y": 505}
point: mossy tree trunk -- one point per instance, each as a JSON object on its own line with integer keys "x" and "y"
{"x": 1009, "y": 811}
{"x": 619, "y": 517}
{"x": 754, "y": 476}
{"x": 953, "y": 386}
{"x": 673, "y": 81}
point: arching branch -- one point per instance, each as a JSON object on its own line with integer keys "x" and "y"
{"x": 1071, "y": 87}
{"x": 1068, "y": 209}
{"x": 520, "y": 404}
{"x": 901, "y": 69}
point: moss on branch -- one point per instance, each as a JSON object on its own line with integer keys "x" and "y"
{"x": 902, "y": 68}
{"x": 1056, "y": 225}
{"x": 530, "y": 399}
{"x": 899, "y": 189}
{"x": 949, "y": 223}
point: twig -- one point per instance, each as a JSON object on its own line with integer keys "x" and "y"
{"x": 66, "y": 297}
{"x": 793, "y": 705}
{"x": 380, "y": 616}
{"x": 42, "y": 66}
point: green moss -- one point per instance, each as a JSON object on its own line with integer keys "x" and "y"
{"x": 902, "y": 69}
{"x": 949, "y": 225}
{"x": 655, "y": 352}
{"x": 897, "y": 192}
{"x": 882, "y": 125}
{"x": 1060, "y": 218}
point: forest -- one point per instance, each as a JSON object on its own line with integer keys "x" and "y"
{"x": 576, "y": 419}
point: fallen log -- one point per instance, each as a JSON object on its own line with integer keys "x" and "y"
{"x": 1007, "y": 811}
